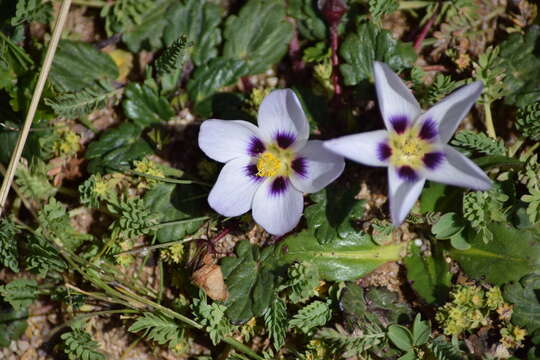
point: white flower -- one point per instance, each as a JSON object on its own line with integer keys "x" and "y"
{"x": 414, "y": 146}
{"x": 268, "y": 167}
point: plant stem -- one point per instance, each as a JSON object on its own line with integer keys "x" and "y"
{"x": 419, "y": 42}
{"x": 154, "y": 247}
{"x": 404, "y": 5}
{"x": 489, "y": 120}
{"x": 177, "y": 222}
{"x": 51, "y": 50}
{"x": 168, "y": 180}
{"x": 90, "y": 3}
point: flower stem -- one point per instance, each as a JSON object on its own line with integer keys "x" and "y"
{"x": 489, "y": 120}
{"x": 51, "y": 50}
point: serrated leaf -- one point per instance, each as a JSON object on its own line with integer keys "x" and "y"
{"x": 511, "y": 254}
{"x": 331, "y": 215}
{"x": 524, "y": 296}
{"x": 316, "y": 314}
{"x": 144, "y": 106}
{"x": 12, "y": 324}
{"x": 251, "y": 281}
{"x": 368, "y": 44}
{"x": 421, "y": 331}
{"x": 429, "y": 276}
{"x": 78, "y": 66}
{"x": 259, "y": 35}
{"x": 199, "y": 20}
{"x": 400, "y": 336}
{"x": 171, "y": 202}
{"x": 159, "y": 328}
{"x": 82, "y": 102}
{"x": 275, "y": 320}
{"x": 19, "y": 293}
{"x": 9, "y": 252}
{"x": 342, "y": 259}
{"x": 310, "y": 24}
{"x": 116, "y": 148}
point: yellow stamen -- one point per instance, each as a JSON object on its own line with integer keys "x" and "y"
{"x": 408, "y": 149}
{"x": 268, "y": 165}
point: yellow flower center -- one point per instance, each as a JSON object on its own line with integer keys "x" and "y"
{"x": 275, "y": 161}
{"x": 408, "y": 148}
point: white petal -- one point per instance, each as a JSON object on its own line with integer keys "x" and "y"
{"x": 318, "y": 167}
{"x": 451, "y": 110}
{"x": 281, "y": 113}
{"x": 233, "y": 192}
{"x": 367, "y": 148}
{"x": 402, "y": 195}
{"x": 277, "y": 212}
{"x": 224, "y": 140}
{"x": 458, "y": 170}
{"x": 395, "y": 98}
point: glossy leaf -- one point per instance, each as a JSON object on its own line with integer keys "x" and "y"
{"x": 342, "y": 259}
{"x": 400, "y": 337}
{"x": 144, "y": 106}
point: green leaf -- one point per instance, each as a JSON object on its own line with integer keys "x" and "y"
{"x": 524, "y": 296}
{"x": 400, "y": 336}
{"x": 20, "y": 293}
{"x": 469, "y": 141}
{"x": 199, "y": 20}
{"x": 259, "y": 35}
{"x": 421, "y": 331}
{"x": 448, "y": 225}
{"x": 171, "y": 202}
{"x": 116, "y": 148}
{"x": 370, "y": 43}
{"x": 43, "y": 257}
{"x": 212, "y": 316}
{"x": 82, "y": 102}
{"x": 333, "y": 211}
{"x": 429, "y": 276}
{"x": 511, "y": 254}
{"x": 159, "y": 328}
{"x": 492, "y": 161}
{"x": 173, "y": 57}
{"x": 275, "y": 320}
{"x": 144, "y": 106}
{"x": 343, "y": 259}
{"x": 310, "y": 24}
{"x": 12, "y": 324}
{"x": 251, "y": 280}
{"x": 78, "y": 66}
{"x": 316, "y": 314}
{"x": 78, "y": 344}
{"x": 211, "y": 77}
{"x": 8, "y": 245}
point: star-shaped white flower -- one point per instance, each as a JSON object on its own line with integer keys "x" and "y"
{"x": 414, "y": 146}
{"x": 268, "y": 168}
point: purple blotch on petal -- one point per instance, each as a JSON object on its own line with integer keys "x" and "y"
{"x": 256, "y": 147}
{"x": 407, "y": 173}
{"x": 384, "y": 151}
{"x": 279, "y": 186}
{"x": 399, "y": 123}
{"x": 299, "y": 165}
{"x": 251, "y": 171}
{"x": 428, "y": 130}
{"x": 285, "y": 139}
{"x": 433, "y": 160}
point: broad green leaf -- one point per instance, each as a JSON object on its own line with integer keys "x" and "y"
{"x": 171, "y": 202}
{"x": 144, "y": 106}
{"x": 259, "y": 35}
{"x": 308, "y": 19}
{"x": 12, "y": 324}
{"x": 342, "y": 259}
{"x": 439, "y": 197}
{"x": 448, "y": 225}
{"x": 421, "y": 331}
{"x": 491, "y": 161}
{"x": 251, "y": 280}
{"x": 20, "y": 293}
{"x": 429, "y": 276}
{"x": 116, "y": 148}
{"x": 78, "y": 65}
{"x": 199, "y": 20}
{"x": 368, "y": 44}
{"x": 410, "y": 355}
{"x": 209, "y": 78}
{"x": 524, "y": 296}
{"x": 509, "y": 256}
{"x": 334, "y": 209}
{"x": 400, "y": 336}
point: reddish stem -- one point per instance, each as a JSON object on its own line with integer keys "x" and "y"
{"x": 422, "y": 36}
{"x": 295, "y": 53}
{"x": 334, "y": 42}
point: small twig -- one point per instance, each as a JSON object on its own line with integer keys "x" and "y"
{"x": 51, "y": 50}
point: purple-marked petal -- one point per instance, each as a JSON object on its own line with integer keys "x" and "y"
{"x": 281, "y": 111}
{"x": 384, "y": 151}
{"x": 299, "y": 165}
{"x": 285, "y": 139}
{"x": 279, "y": 186}
{"x": 456, "y": 169}
{"x": 433, "y": 159}
{"x": 395, "y": 98}
{"x": 362, "y": 148}
{"x": 234, "y": 189}
{"x": 402, "y": 195}
{"x": 256, "y": 147}
{"x": 224, "y": 140}
{"x": 451, "y": 110}
{"x": 277, "y": 213}
{"x": 400, "y": 123}
{"x": 407, "y": 173}
{"x": 251, "y": 171}
{"x": 316, "y": 167}
{"x": 428, "y": 131}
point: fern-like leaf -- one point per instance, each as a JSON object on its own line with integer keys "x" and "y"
{"x": 173, "y": 56}
{"x": 469, "y": 142}
{"x": 84, "y": 102}
{"x": 135, "y": 219}
{"x": 159, "y": 328}
{"x": 8, "y": 245}
{"x": 78, "y": 345}
{"x": 350, "y": 345}
{"x": 19, "y": 293}
{"x": 316, "y": 314}
{"x": 528, "y": 121}
{"x": 443, "y": 350}
{"x": 275, "y": 320}
{"x": 42, "y": 258}
{"x": 379, "y": 8}
{"x": 212, "y": 316}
